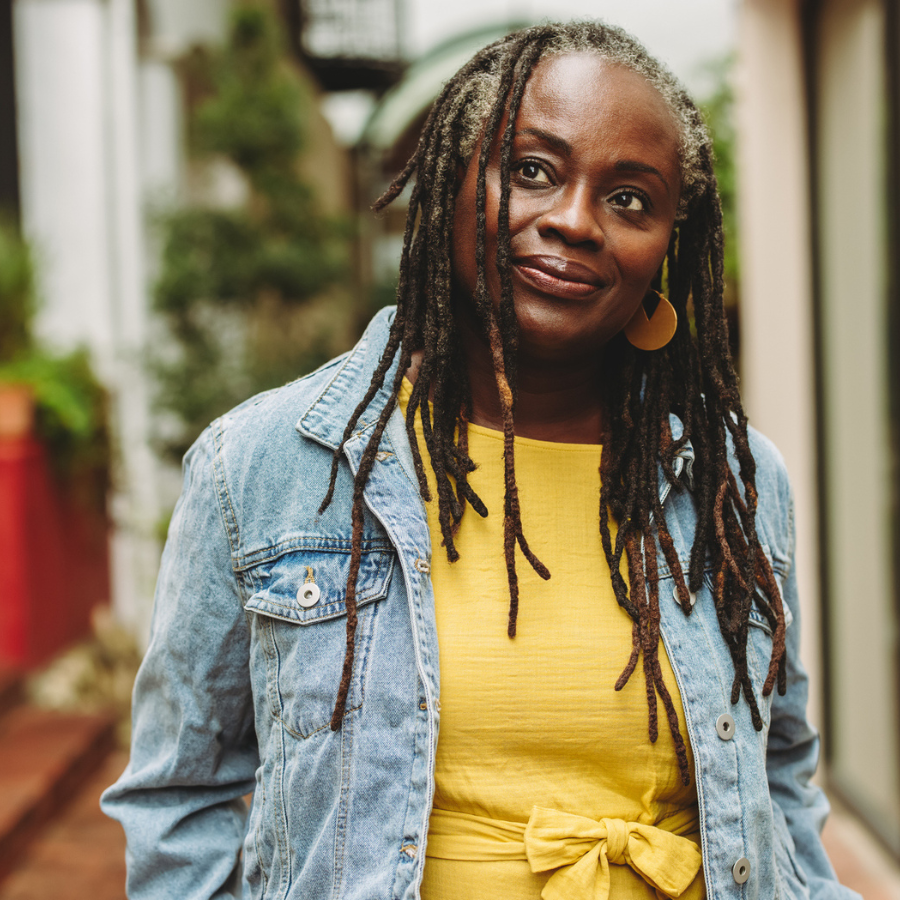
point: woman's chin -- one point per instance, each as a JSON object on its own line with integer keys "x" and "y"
{"x": 556, "y": 333}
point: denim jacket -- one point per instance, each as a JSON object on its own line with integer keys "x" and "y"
{"x": 239, "y": 682}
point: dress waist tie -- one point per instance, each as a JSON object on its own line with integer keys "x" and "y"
{"x": 580, "y": 849}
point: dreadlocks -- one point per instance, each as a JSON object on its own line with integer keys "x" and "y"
{"x": 691, "y": 377}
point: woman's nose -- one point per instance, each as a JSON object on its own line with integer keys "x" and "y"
{"x": 574, "y": 216}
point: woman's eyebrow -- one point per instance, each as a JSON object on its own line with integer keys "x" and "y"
{"x": 632, "y": 165}
{"x": 622, "y": 165}
{"x": 554, "y": 140}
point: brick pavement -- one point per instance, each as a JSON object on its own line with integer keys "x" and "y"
{"x": 80, "y": 856}
{"x": 859, "y": 861}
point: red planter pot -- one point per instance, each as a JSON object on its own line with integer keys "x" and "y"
{"x": 54, "y": 548}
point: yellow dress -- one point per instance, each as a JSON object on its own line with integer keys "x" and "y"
{"x": 547, "y": 784}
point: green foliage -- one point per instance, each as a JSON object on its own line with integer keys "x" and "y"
{"x": 17, "y": 294}
{"x": 718, "y": 111}
{"x": 70, "y": 407}
{"x": 256, "y": 113}
{"x": 236, "y": 284}
{"x": 70, "y": 404}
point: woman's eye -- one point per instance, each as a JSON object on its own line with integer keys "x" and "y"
{"x": 531, "y": 171}
{"x": 629, "y": 200}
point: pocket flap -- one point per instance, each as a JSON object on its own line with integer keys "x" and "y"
{"x": 308, "y": 586}
{"x": 760, "y": 621}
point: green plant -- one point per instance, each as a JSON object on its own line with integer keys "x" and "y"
{"x": 718, "y": 111}
{"x": 17, "y": 293}
{"x": 238, "y": 287}
{"x": 70, "y": 404}
{"x": 70, "y": 408}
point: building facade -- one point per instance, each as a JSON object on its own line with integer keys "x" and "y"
{"x": 93, "y": 148}
{"x": 819, "y": 117}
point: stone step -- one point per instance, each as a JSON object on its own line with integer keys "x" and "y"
{"x": 80, "y": 854}
{"x": 45, "y": 759}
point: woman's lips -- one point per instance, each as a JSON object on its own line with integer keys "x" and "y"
{"x": 557, "y": 276}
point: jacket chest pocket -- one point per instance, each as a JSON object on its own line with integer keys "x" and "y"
{"x": 300, "y": 622}
{"x": 759, "y": 649}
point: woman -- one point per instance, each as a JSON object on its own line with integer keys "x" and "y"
{"x": 562, "y": 179}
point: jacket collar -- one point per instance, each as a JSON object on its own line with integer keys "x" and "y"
{"x": 326, "y": 418}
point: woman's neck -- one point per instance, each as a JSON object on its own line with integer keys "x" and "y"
{"x": 556, "y": 400}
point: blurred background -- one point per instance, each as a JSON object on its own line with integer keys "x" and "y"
{"x": 185, "y": 192}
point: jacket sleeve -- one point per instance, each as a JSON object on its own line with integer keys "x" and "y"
{"x": 194, "y": 750}
{"x": 793, "y": 753}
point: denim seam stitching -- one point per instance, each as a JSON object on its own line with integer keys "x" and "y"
{"x": 222, "y": 488}
{"x": 281, "y": 827}
{"x": 410, "y": 806}
{"x": 365, "y": 600}
{"x": 260, "y": 816}
{"x": 382, "y": 573}
{"x": 386, "y": 441}
{"x": 340, "y": 825}
{"x": 321, "y": 545}
{"x": 303, "y": 737}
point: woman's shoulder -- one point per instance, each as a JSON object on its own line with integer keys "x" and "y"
{"x": 275, "y": 416}
{"x": 264, "y": 414}
{"x": 262, "y": 428}
{"x": 770, "y": 463}
{"x": 256, "y": 440}
{"x": 775, "y": 510}
{"x": 267, "y": 463}
{"x": 266, "y": 479}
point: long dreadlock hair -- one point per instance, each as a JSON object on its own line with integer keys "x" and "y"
{"x": 692, "y": 376}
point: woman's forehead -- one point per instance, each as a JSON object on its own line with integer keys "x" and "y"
{"x": 587, "y": 101}
{"x": 583, "y": 84}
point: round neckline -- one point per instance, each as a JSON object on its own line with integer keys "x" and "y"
{"x": 497, "y": 435}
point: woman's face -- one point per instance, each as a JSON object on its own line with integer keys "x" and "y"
{"x": 595, "y": 180}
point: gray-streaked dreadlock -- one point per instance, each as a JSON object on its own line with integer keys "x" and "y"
{"x": 691, "y": 377}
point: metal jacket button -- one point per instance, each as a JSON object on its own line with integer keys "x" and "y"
{"x": 741, "y": 870}
{"x": 308, "y": 595}
{"x": 691, "y": 596}
{"x": 725, "y": 727}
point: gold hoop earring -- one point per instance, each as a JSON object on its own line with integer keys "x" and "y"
{"x": 654, "y": 332}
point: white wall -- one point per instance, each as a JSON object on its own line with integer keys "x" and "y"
{"x": 82, "y": 210}
{"x": 64, "y": 160}
{"x": 776, "y": 277}
{"x": 859, "y": 470}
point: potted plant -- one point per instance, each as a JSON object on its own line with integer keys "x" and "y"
{"x": 54, "y": 464}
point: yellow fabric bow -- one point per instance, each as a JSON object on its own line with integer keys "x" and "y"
{"x": 582, "y": 849}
